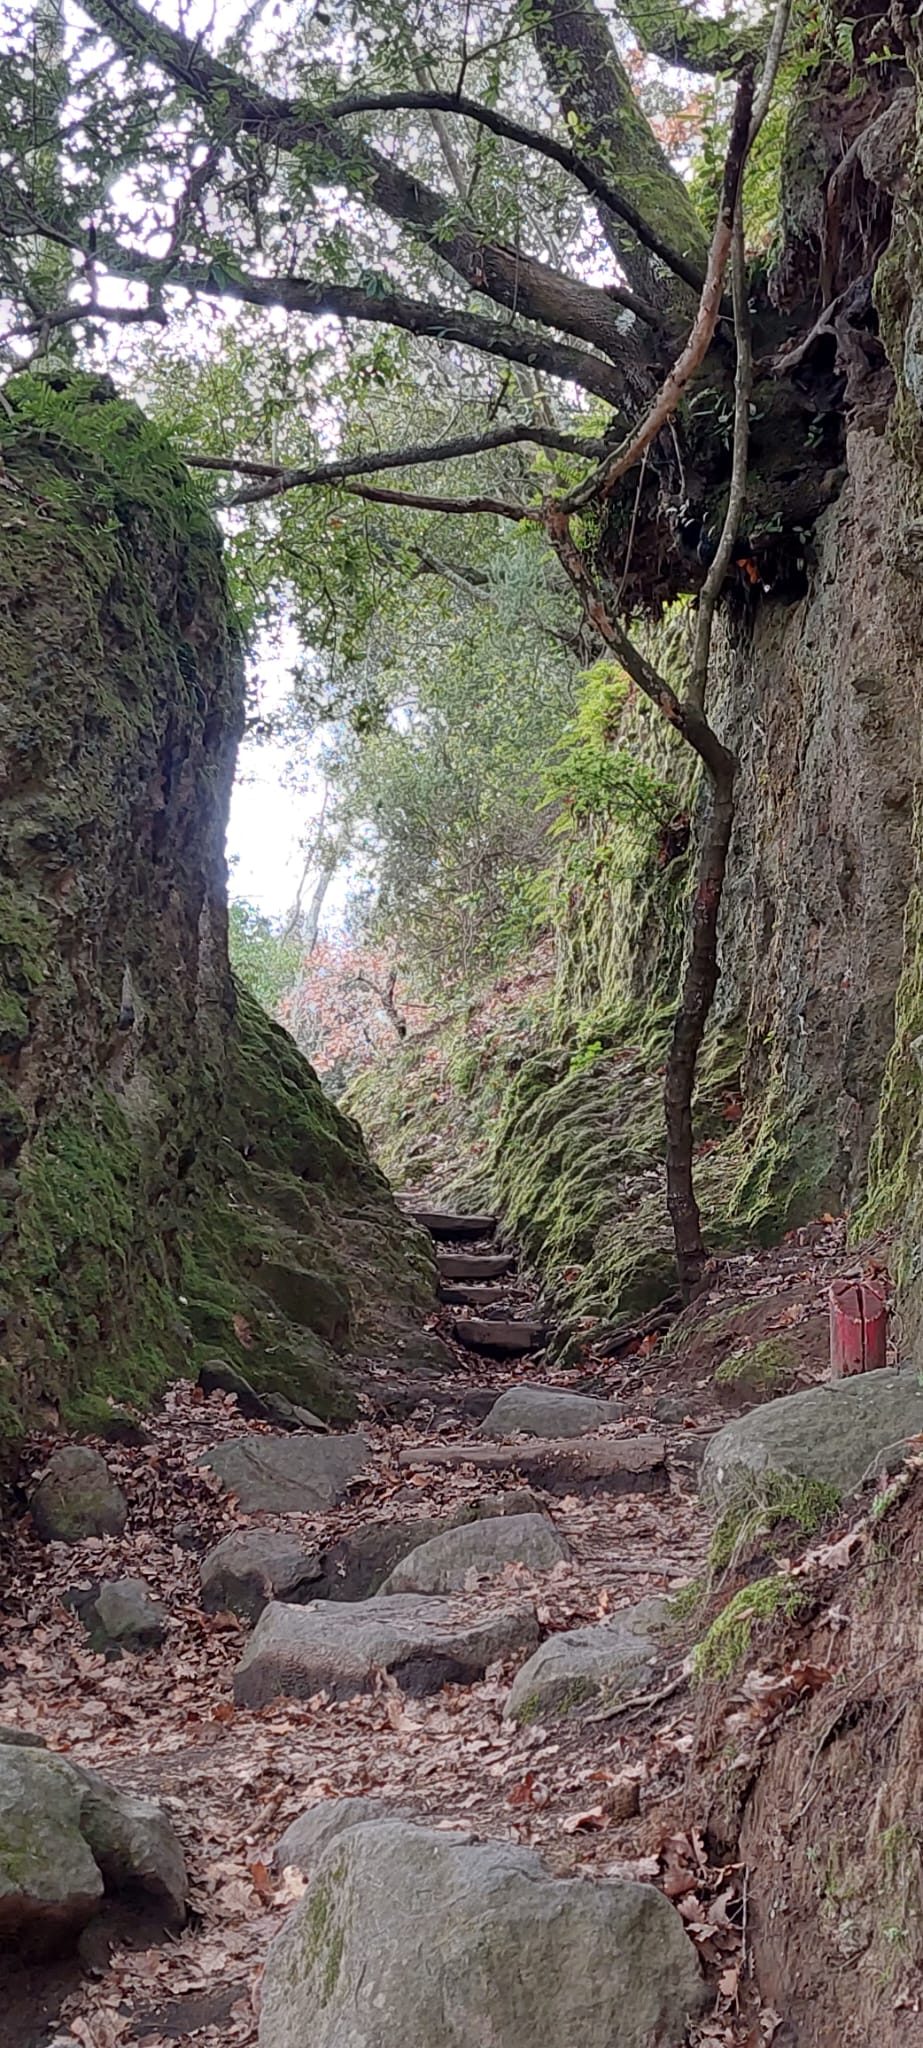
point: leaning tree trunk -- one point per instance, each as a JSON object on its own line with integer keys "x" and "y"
{"x": 173, "y": 1183}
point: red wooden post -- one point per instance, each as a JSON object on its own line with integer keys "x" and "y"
{"x": 858, "y": 1329}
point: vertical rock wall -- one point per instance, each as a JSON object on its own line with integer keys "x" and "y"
{"x": 172, "y": 1180}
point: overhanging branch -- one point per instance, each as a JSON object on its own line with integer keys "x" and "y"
{"x": 274, "y": 478}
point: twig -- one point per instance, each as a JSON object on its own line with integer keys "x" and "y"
{"x": 641, "y": 1699}
{"x": 743, "y": 383}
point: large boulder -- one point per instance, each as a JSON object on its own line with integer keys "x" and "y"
{"x": 342, "y": 1649}
{"x": 409, "y": 1936}
{"x": 306, "y": 1838}
{"x": 77, "y": 1498}
{"x": 293, "y": 1475}
{"x": 360, "y": 1561}
{"x": 250, "y": 1567}
{"x": 66, "y": 1838}
{"x": 837, "y": 1435}
{"x": 445, "y": 1563}
{"x": 572, "y": 1670}
{"x": 120, "y": 1615}
{"x": 548, "y": 1412}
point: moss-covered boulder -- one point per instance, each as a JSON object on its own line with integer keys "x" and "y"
{"x": 173, "y": 1182}
{"x": 77, "y": 1498}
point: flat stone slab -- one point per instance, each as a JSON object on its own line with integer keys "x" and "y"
{"x": 287, "y": 1475}
{"x": 448, "y": 1224}
{"x": 444, "y": 1564}
{"x": 342, "y": 1649}
{"x": 251, "y": 1567}
{"x": 607, "y": 1660}
{"x": 469, "y": 1297}
{"x": 512, "y": 1339}
{"x": 587, "y": 1464}
{"x": 837, "y": 1434}
{"x": 548, "y": 1412}
{"x": 412, "y": 1938}
{"x": 473, "y": 1265}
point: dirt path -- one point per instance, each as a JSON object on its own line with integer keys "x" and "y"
{"x": 603, "y": 1796}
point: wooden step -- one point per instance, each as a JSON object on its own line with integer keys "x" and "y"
{"x": 583, "y": 1465}
{"x": 473, "y": 1265}
{"x": 445, "y": 1223}
{"x": 469, "y": 1297}
{"x": 479, "y": 1333}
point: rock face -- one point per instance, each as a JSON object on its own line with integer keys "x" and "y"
{"x": 837, "y": 1434}
{"x": 408, "y": 1936}
{"x": 306, "y": 1838}
{"x": 250, "y": 1567}
{"x": 66, "y": 1837}
{"x": 77, "y": 1498}
{"x": 424, "y": 1644}
{"x": 170, "y": 1170}
{"x": 295, "y": 1475}
{"x": 120, "y": 1615}
{"x": 583, "y": 1665}
{"x": 548, "y": 1412}
{"x": 445, "y": 1564}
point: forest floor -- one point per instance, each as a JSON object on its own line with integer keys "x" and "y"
{"x": 606, "y": 1796}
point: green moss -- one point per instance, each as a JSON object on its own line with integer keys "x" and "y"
{"x": 805, "y": 1503}
{"x": 766, "y": 1366}
{"x": 686, "y": 1600}
{"x": 728, "y": 1640}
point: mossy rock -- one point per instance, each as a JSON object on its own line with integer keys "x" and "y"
{"x": 757, "y": 1371}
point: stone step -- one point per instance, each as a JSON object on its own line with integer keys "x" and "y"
{"x": 582, "y": 1465}
{"x": 447, "y": 1224}
{"x": 510, "y": 1339}
{"x": 470, "y": 1297}
{"x": 473, "y": 1265}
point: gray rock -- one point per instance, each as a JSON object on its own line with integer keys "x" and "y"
{"x": 583, "y": 1665}
{"x": 342, "y": 1649}
{"x": 20, "y": 1738}
{"x": 836, "y": 1434}
{"x": 287, "y": 1475}
{"x": 549, "y": 1412}
{"x": 77, "y": 1498}
{"x": 50, "y": 1882}
{"x": 442, "y": 1565}
{"x": 67, "y": 1837}
{"x": 306, "y": 1838}
{"x": 407, "y": 1936}
{"x": 135, "y": 1844}
{"x": 119, "y": 1615}
{"x": 250, "y": 1567}
{"x": 216, "y": 1376}
{"x": 360, "y": 1561}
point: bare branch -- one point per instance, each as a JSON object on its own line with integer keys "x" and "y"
{"x": 277, "y": 479}
{"x": 498, "y": 508}
{"x": 597, "y": 187}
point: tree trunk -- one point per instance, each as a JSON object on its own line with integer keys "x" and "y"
{"x": 699, "y": 985}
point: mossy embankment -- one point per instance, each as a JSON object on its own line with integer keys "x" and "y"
{"x": 173, "y": 1182}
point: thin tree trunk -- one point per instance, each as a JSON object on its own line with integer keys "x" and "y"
{"x": 699, "y": 985}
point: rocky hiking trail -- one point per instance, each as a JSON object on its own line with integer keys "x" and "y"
{"x": 462, "y": 1612}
